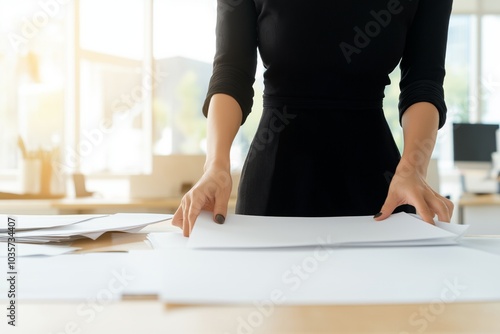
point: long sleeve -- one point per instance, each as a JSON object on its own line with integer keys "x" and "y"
{"x": 235, "y": 58}
{"x": 423, "y": 62}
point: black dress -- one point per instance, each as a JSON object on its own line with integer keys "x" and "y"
{"x": 323, "y": 146}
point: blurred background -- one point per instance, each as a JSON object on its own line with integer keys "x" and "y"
{"x": 105, "y": 88}
{"x": 106, "y": 85}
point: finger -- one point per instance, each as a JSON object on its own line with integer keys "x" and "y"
{"x": 437, "y": 205}
{"x": 423, "y": 210}
{"x": 448, "y": 203}
{"x": 220, "y": 209}
{"x": 194, "y": 211}
{"x": 450, "y": 206}
{"x": 390, "y": 204}
{"x": 177, "y": 218}
{"x": 185, "y": 214}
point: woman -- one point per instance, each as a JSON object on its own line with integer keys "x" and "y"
{"x": 323, "y": 146}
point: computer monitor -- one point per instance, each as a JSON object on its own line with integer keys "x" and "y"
{"x": 473, "y": 145}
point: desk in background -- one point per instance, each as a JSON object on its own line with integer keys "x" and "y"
{"x": 481, "y": 212}
{"x": 92, "y": 205}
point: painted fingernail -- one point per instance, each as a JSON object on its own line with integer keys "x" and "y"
{"x": 378, "y": 215}
{"x": 219, "y": 219}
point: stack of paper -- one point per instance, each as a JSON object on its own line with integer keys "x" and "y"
{"x": 63, "y": 228}
{"x": 243, "y": 231}
{"x": 23, "y": 249}
{"x": 31, "y": 222}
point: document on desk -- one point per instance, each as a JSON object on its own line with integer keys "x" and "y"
{"x": 167, "y": 240}
{"x": 88, "y": 228}
{"x": 23, "y": 249}
{"x": 90, "y": 277}
{"x": 434, "y": 275}
{"x": 32, "y": 222}
{"x": 245, "y": 231}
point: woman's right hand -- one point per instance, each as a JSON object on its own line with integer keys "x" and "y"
{"x": 210, "y": 193}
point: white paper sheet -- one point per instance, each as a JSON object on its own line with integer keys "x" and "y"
{"x": 92, "y": 228}
{"x": 244, "y": 231}
{"x": 167, "y": 240}
{"x": 322, "y": 275}
{"x": 95, "y": 279}
{"x": 490, "y": 245}
{"x": 35, "y": 250}
{"x": 29, "y": 222}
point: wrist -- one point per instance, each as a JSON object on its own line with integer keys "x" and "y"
{"x": 217, "y": 163}
{"x": 408, "y": 166}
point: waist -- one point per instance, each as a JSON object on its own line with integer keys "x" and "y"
{"x": 315, "y": 103}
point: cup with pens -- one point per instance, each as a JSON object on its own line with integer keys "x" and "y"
{"x": 36, "y": 169}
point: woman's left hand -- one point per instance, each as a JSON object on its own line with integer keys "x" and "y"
{"x": 408, "y": 186}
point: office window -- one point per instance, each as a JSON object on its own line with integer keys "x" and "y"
{"x": 184, "y": 47}
{"x": 32, "y": 80}
{"x": 490, "y": 79}
{"x": 457, "y": 85}
{"x": 114, "y": 88}
{"x": 460, "y": 57}
{"x": 111, "y": 89}
{"x": 460, "y": 96}
{"x": 391, "y": 110}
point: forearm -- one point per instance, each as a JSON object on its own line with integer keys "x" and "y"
{"x": 223, "y": 121}
{"x": 420, "y": 126}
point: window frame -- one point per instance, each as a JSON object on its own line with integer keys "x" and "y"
{"x": 73, "y": 112}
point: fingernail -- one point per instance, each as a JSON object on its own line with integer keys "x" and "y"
{"x": 219, "y": 219}
{"x": 378, "y": 215}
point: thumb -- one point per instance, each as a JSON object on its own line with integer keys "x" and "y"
{"x": 387, "y": 209}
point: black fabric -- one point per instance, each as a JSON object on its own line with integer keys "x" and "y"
{"x": 323, "y": 146}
